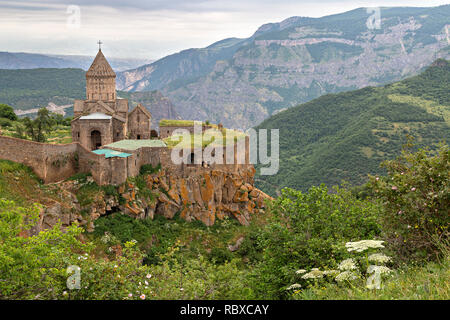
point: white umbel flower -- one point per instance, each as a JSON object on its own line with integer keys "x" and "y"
{"x": 330, "y": 273}
{"x": 313, "y": 274}
{"x": 346, "y": 276}
{"x": 363, "y": 245}
{"x": 379, "y": 258}
{"x": 347, "y": 264}
{"x": 294, "y": 286}
{"x": 300, "y": 271}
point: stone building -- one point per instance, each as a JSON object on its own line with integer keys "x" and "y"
{"x": 103, "y": 118}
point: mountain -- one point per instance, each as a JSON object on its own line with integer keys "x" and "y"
{"x": 159, "y": 106}
{"x": 241, "y": 82}
{"x": 347, "y": 135}
{"x": 20, "y": 60}
{"x": 29, "y": 88}
{"x": 26, "y": 90}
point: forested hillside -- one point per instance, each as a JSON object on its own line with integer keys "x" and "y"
{"x": 28, "y": 88}
{"x": 347, "y": 135}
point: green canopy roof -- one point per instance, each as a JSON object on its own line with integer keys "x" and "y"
{"x": 129, "y": 144}
{"x": 111, "y": 153}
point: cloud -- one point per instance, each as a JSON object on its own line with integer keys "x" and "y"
{"x": 151, "y": 29}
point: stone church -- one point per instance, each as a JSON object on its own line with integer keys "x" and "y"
{"x": 103, "y": 118}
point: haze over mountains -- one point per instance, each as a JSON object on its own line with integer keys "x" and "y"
{"x": 20, "y": 60}
{"x": 241, "y": 82}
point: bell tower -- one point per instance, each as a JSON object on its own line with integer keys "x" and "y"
{"x": 100, "y": 79}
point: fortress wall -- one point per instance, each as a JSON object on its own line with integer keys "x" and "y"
{"x": 51, "y": 163}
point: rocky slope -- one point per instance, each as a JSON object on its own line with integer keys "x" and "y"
{"x": 243, "y": 81}
{"x": 205, "y": 196}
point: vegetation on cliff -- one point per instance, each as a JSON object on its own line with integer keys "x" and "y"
{"x": 126, "y": 258}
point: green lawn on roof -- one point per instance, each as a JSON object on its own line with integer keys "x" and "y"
{"x": 210, "y": 136}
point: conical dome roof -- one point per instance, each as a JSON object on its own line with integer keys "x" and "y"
{"x": 100, "y": 67}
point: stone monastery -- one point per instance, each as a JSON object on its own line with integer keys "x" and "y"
{"x": 112, "y": 143}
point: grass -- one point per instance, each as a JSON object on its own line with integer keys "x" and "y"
{"x": 175, "y": 123}
{"x": 59, "y": 135}
{"x": 213, "y": 137}
{"x": 19, "y": 183}
{"x": 428, "y": 282}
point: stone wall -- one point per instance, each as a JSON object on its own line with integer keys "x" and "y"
{"x": 53, "y": 163}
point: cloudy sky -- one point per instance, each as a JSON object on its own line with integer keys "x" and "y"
{"x": 151, "y": 29}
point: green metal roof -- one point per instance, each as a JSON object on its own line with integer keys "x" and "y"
{"x": 111, "y": 153}
{"x": 136, "y": 144}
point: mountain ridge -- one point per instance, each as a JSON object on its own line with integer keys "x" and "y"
{"x": 345, "y": 136}
{"x": 293, "y": 61}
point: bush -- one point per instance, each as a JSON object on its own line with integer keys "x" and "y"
{"x": 7, "y": 112}
{"x": 416, "y": 198}
{"x": 308, "y": 230}
{"x": 6, "y": 123}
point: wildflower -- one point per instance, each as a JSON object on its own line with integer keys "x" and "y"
{"x": 379, "y": 257}
{"x": 146, "y": 283}
{"x": 363, "y": 245}
{"x": 378, "y": 269}
{"x": 148, "y": 276}
{"x": 346, "y": 276}
{"x": 115, "y": 266}
{"x": 347, "y": 264}
{"x": 181, "y": 289}
{"x": 130, "y": 295}
{"x": 400, "y": 212}
{"x": 300, "y": 271}
{"x": 313, "y": 274}
{"x": 394, "y": 188}
{"x": 142, "y": 296}
{"x": 64, "y": 293}
{"x": 413, "y": 189}
{"x": 294, "y": 286}
{"x": 377, "y": 178}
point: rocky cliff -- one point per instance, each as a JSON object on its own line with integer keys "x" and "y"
{"x": 205, "y": 196}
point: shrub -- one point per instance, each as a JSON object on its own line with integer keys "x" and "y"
{"x": 7, "y": 112}
{"x": 6, "y": 123}
{"x": 307, "y": 230}
{"x": 416, "y": 198}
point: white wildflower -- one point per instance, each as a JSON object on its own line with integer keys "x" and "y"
{"x": 148, "y": 276}
{"x": 142, "y": 296}
{"x": 313, "y": 274}
{"x": 300, "y": 271}
{"x": 378, "y": 269}
{"x": 363, "y": 245}
{"x": 379, "y": 258}
{"x": 294, "y": 286}
{"x": 347, "y": 264}
{"x": 346, "y": 276}
{"x": 330, "y": 272}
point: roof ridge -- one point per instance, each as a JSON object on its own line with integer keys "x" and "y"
{"x": 100, "y": 67}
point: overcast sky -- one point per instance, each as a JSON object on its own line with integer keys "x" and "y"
{"x": 151, "y": 29}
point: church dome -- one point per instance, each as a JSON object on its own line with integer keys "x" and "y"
{"x": 100, "y": 67}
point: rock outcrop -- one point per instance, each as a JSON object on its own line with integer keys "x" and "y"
{"x": 206, "y": 195}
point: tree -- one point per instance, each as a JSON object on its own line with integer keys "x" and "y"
{"x": 7, "y": 112}
{"x": 40, "y": 126}
{"x": 416, "y": 197}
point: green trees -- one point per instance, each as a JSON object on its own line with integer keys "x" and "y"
{"x": 39, "y": 127}
{"x": 308, "y": 230}
{"x": 7, "y": 112}
{"x": 416, "y": 199}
